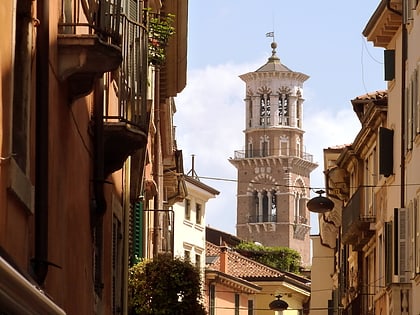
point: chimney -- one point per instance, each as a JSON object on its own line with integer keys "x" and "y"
{"x": 223, "y": 259}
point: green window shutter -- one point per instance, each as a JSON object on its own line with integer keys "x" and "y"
{"x": 137, "y": 232}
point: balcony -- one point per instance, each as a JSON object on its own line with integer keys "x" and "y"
{"x": 126, "y": 120}
{"x": 88, "y": 43}
{"x": 262, "y": 218}
{"x": 357, "y": 220}
{"x": 249, "y": 154}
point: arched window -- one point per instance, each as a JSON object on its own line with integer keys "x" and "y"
{"x": 283, "y": 106}
{"x": 284, "y": 146}
{"x": 298, "y": 148}
{"x": 265, "y": 110}
{"x": 300, "y": 211}
{"x": 250, "y": 150}
{"x": 264, "y": 146}
{"x": 273, "y": 213}
{"x": 256, "y": 203}
{"x": 264, "y": 205}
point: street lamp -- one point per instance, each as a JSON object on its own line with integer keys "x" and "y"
{"x": 278, "y": 305}
{"x": 320, "y": 204}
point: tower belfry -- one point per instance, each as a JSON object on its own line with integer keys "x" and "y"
{"x": 273, "y": 169}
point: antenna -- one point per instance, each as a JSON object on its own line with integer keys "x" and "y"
{"x": 192, "y": 172}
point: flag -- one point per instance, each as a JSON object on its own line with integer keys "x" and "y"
{"x": 269, "y": 34}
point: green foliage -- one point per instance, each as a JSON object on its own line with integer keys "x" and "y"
{"x": 160, "y": 30}
{"x": 165, "y": 286}
{"x": 282, "y": 258}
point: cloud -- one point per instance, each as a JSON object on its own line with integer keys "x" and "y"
{"x": 210, "y": 123}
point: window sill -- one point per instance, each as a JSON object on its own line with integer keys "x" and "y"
{"x": 20, "y": 185}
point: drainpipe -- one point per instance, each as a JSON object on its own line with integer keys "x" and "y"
{"x": 403, "y": 85}
{"x": 403, "y": 113}
{"x": 99, "y": 204}
{"x": 40, "y": 261}
{"x": 157, "y": 163}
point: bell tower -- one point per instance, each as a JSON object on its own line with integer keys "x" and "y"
{"x": 274, "y": 169}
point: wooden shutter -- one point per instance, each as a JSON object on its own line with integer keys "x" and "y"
{"x": 386, "y": 151}
{"x": 137, "y": 232}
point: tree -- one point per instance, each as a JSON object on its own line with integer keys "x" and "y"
{"x": 165, "y": 286}
{"x": 282, "y": 258}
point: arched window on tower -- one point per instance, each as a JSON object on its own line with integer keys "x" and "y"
{"x": 264, "y": 146}
{"x": 283, "y": 109}
{"x": 273, "y": 214}
{"x": 300, "y": 207}
{"x": 264, "y": 205}
{"x": 265, "y": 110}
{"x": 256, "y": 206}
{"x": 249, "y": 104}
{"x": 250, "y": 151}
{"x": 298, "y": 148}
{"x": 284, "y": 146}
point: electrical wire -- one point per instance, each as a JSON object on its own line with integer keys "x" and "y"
{"x": 295, "y": 186}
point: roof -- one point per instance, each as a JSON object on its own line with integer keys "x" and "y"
{"x": 218, "y": 237}
{"x": 363, "y": 104}
{"x": 273, "y": 63}
{"x": 241, "y": 267}
{"x": 238, "y": 265}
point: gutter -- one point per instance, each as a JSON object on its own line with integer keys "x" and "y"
{"x": 21, "y": 297}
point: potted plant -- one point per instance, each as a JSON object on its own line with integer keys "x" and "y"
{"x": 160, "y": 30}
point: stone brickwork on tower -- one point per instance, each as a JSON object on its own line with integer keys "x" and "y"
{"x": 273, "y": 170}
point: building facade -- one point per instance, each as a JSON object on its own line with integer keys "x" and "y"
{"x": 190, "y": 224}
{"x": 273, "y": 169}
{"x": 79, "y": 136}
{"x": 374, "y": 181}
{"x": 239, "y": 285}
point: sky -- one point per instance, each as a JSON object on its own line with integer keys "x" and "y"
{"x": 227, "y": 38}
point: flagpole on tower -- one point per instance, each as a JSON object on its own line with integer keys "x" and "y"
{"x": 270, "y": 34}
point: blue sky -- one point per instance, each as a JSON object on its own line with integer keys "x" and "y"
{"x": 227, "y": 38}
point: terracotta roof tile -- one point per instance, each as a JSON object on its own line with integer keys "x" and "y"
{"x": 239, "y": 265}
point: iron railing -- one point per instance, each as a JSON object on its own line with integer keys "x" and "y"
{"x": 132, "y": 77}
{"x": 91, "y": 17}
{"x": 357, "y": 216}
{"x": 246, "y": 154}
{"x": 262, "y": 218}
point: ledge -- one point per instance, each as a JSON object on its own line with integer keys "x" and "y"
{"x": 84, "y": 58}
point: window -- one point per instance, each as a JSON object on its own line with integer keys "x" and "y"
{"x": 265, "y": 110}
{"x": 187, "y": 255}
{"x": 249, "y": 105}
{"x": 273, "y": 205}
{"x": 298, "y": 153}
{"x": 187, "y": 209}
{"x": 298, "y": 113}
{"x": 284, "y": 146}
{"x": 22, "y": 84}
{"x": 264, "y": 146}
{"x": 250, "y": 152}
{"x": 250, "y": 307}
{"x": 212, "y": 299}
{"x": 236, "y": 304}
{"x": 198, "y": 213}
{"x": 198, "y": 261}
{"x": 283, "y": 107}
{"x": 264, "y": 199}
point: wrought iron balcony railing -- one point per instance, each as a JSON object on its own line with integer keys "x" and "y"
{"x": 262, "y": 218}
{"x": 88, "y": 43}
{"x": 132, "y": 78}
{"x": 356, "y": 219}
{"x": 91, "y": 17}
{"x": 247, "y": 154}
